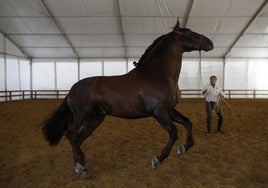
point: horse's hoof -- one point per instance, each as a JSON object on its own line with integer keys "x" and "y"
{"x": 155, "y": 162}
{"x": 80, "y": 170}
{"x": 181, "y": 150}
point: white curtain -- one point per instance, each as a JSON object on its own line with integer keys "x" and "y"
{"x": 67, "y": 75}
{"x": 195, "y": 74}
{"x": 237, "y": 74}
{"x": 43, "y": 76}
{"x": 2, "y": 74}
{"x": 114, "y": 67}
{"x": 24, "y": 74}
{"x": 13, "y": 75}
{"x": 90, "y": 68}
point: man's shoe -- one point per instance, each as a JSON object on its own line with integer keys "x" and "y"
{"x": 221, "y": 131}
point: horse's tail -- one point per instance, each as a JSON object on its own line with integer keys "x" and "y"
{"x": 58, "y": 122}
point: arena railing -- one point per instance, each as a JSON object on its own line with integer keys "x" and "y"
{"x": 185, "y": 93}
{"x": 229, "y": 93}
{"x": 32, "y": 94}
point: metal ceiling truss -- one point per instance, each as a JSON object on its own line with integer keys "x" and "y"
{"x": 187, "y": 13}
{"x": 63, "y": 33}
{"x": 244, "y": 30}
{"x": 122, "y": 28}
{"x": 22, "y": 50}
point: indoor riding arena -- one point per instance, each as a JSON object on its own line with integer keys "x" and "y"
{"x": 133, "y": 93}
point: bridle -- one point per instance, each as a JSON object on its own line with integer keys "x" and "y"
{"x": 191, "y": 38}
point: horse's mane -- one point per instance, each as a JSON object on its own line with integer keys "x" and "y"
{"x": 148, "y": 50}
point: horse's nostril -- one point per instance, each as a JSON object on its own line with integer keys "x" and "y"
{"x": 211, "y": 47}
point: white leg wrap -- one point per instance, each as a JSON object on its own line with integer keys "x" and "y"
{"x": 181, "y": 150}
{"x": 155, "y": 162}
{"x": 79, "y": 169}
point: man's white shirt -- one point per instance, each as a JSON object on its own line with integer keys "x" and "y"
{"x": 213, "y": 93}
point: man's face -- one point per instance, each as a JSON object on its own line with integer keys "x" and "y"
{"x": 213, "y": 80}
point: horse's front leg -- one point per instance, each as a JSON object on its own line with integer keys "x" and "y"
{"x": 163, "y": 118}
{"x": 179, "y": 118}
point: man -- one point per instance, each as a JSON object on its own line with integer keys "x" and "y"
{"x": 212, "y": 94}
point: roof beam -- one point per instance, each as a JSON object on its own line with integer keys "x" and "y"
{"x": 63, "y": 33}
{"x": 26, "y": 54}
{"x": 187, "y": 13}
{"x": 122, "y": 27}
{"x": 243, "y": 31}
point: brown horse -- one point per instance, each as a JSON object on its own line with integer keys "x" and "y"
{"x": 148, "y": 90}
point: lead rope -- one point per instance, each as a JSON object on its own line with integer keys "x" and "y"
{"x": 200, "y": 73}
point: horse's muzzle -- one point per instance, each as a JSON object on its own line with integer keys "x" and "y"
{"x": 208, "y": 45}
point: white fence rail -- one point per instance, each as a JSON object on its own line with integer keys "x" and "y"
{"x": 57, "y": 94}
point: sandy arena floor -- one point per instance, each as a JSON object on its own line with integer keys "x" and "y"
{"x": 119, "y": 152}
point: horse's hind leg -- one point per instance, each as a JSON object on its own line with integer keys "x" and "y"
{"x": 89, "y": 126}
{"x": 72, "y": 136}
{"x": 179, "y": 118}
{"x": 163, "y": 118}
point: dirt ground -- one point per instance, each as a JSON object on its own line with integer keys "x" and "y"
{"x": 119, "y": 152}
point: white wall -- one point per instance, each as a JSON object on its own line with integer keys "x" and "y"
{"x": 2, "y": 74}
{"x": 61, "y": 75}
{"x": 246, "y": 74}
{"x": 195, "y": 74}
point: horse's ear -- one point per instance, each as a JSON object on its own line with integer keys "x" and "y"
{"x": 177, "y": 26}
{"x": 178, "y": 23}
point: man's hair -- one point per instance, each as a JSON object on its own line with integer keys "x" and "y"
{"x": 213, "y": 76}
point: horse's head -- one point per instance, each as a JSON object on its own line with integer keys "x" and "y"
{"x": 192, "y": 40}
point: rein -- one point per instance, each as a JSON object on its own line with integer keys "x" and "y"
{"x": 200, "y": 72}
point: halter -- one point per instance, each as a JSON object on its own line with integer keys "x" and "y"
{"x": 182, "y": 34}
